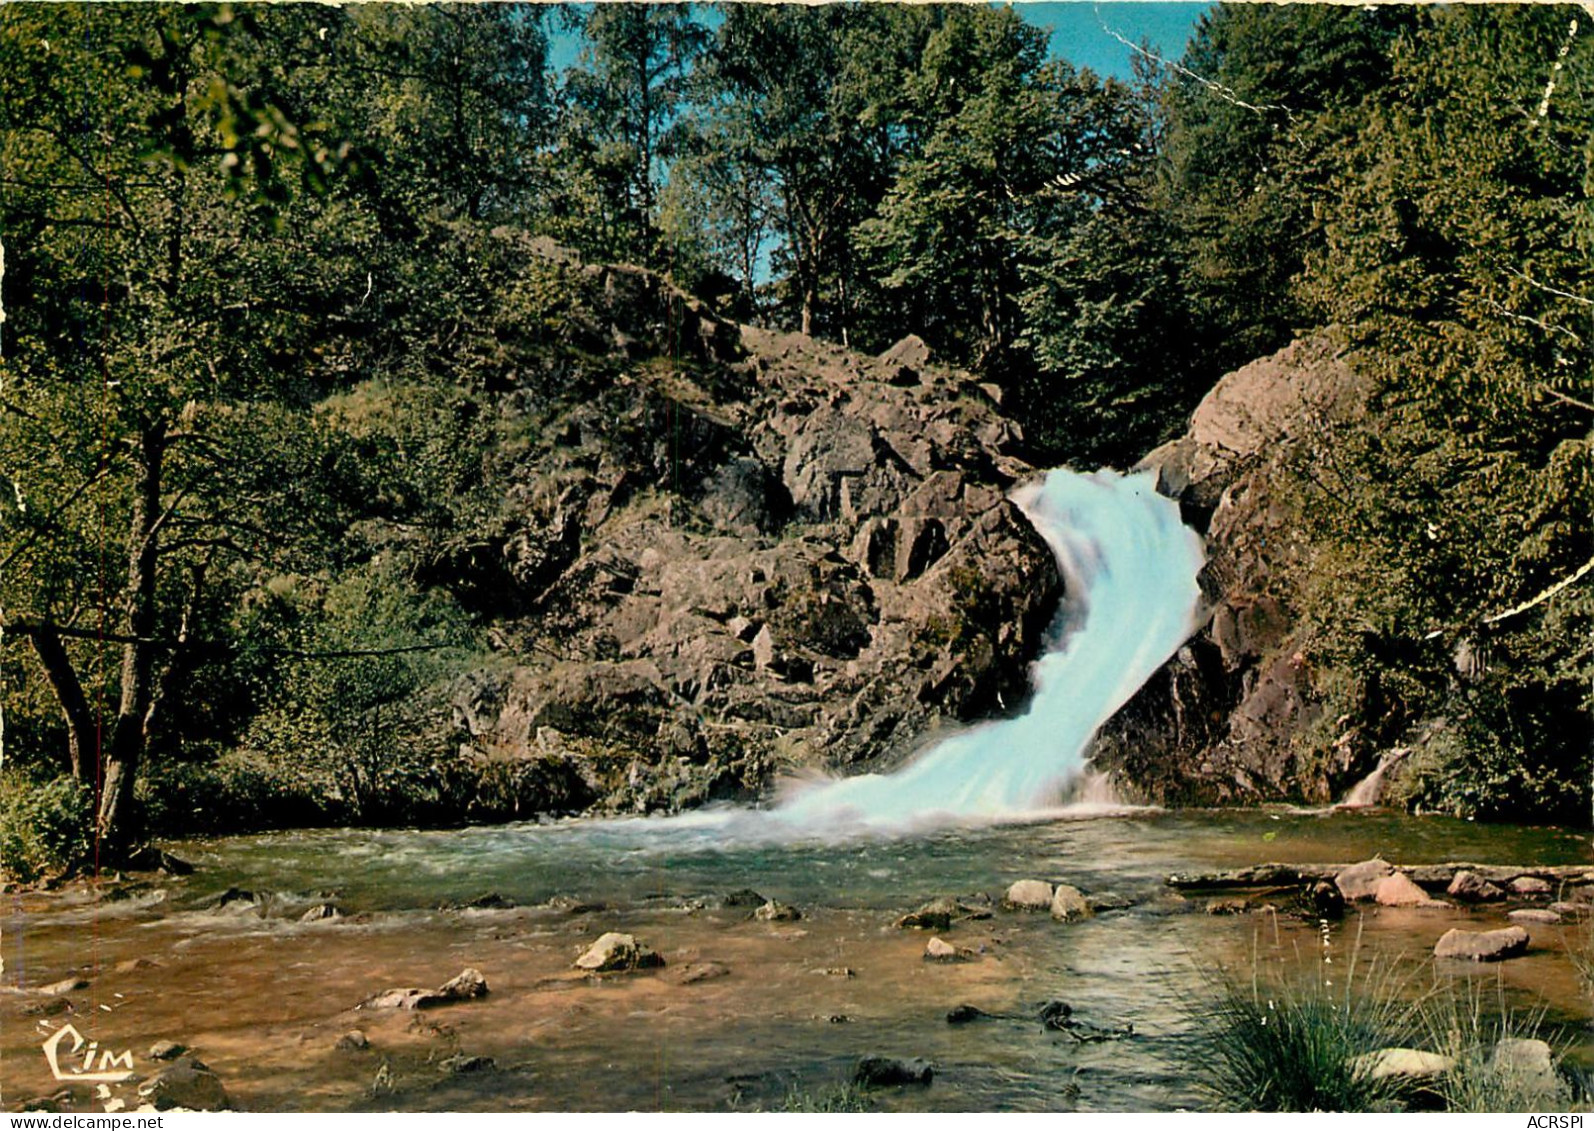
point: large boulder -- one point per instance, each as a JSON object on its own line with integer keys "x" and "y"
{"x": 1223, "y": 720}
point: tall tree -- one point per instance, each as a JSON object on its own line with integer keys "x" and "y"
{"x": 146, "y": 171}
{"x": 807, "y": 101}
{"x": 624, "y": 108}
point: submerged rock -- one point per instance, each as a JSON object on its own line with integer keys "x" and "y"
{"x": 615, "y": 951}
{"x": 886, "y": 1071}
{"x": 65, "y": 986}
{"x": 694, "y": 972}
{"x": 1231, "y": 905}
{"x": 963, "y": 1014}
{"x": 743, "y": 897}
{"x": 354, "y": 1040}
{"x": 1108, "y": 901}
{"x": 1482, "y": 946}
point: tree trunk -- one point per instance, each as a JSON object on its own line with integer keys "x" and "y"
{"x": 138, "y": 655}
{"x": 80, "y": 729}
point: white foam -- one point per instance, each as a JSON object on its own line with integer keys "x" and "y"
{"x": 1130, "y": 566}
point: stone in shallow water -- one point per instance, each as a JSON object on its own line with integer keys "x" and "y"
{"x": 1028, "y": 895}
{"x": 65, "y": 986}
{"x": 468, "y": 983}
{"x": 1473, "y": 888}
{"x": 1360, "y": 881}
{"x": 354, "y": 1040}
{"x": 1399, "y": 890}
{"x": 166, "y": 1050}
{"x": 937, "y": 915}
{"x": 1068, "y": 904}
{"x": 939, "y": 950}
{"x": 1482, "y": 946}
{"x": 1530, "y": 885}
{"x": 887, "y": 1071}
{"x": 963, "y": 1014}
{"x": 776, "y": 912}
{"x": 320, "y": 912}
{"x": 694, "y": 972}
{"x": 616, "y": 951}
{"x": 1233, "y": 906}
{"x": 186, "y": 1083}
{"x": 1533, "y": 915}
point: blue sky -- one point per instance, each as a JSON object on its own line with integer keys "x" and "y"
{"x": 1078, "y": 27}
{"x": 1080, "y": 30}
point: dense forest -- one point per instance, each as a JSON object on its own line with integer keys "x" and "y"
{"x": 272, "y": 343}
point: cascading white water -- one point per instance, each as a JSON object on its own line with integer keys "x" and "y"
{"x": 1130, "y": 566}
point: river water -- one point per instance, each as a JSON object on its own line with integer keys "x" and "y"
{"x": 263, "y": 998}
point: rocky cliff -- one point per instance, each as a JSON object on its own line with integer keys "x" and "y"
{"x": 742, "y": 552}
{"x": 1236, "y": 715}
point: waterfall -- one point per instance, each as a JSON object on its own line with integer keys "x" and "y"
{"x": 1130, "y": 567}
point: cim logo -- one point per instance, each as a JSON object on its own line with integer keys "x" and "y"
{"x": 101, "y": 1069}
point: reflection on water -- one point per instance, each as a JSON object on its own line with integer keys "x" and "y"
{"x": 264, "y": 998}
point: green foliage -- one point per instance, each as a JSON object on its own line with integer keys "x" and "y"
{"x": 831, "y": 1100}
{"x": 46, "y": 827}
{"x": 1289, "y": 1039}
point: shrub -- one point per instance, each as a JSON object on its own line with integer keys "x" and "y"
{"x": 46, "y": 828}
{"x": 1290, "y": 1039}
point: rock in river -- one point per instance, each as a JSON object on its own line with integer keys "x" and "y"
{"x": 615, "y": 951}
{"x": 1360, "y": 881}
{"x": 776, "y": 912}
{"x": 1028, "y": 895}
{"x": 186, "y": 1083}
{"x": 886, "y": 1071}
{"x": 1482, "y": 946}
{"x": 1068, "y": 904}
